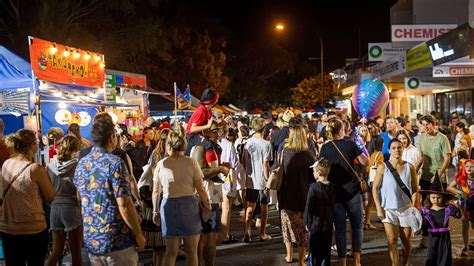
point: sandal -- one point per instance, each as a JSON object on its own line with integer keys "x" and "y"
{"x": 265, "y": 238}
{"x": 289, "y": 261}
{"x": 369, "y": 227}
{"x": 464, "y": 252}
{"x": 232, "y": 239}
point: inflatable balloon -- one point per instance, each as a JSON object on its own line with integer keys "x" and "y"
{"x": 339, "y": 76}
{"x": 370, "y": 97}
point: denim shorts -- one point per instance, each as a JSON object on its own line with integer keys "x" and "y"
{"x": 65, "y": 218}
{"x": 180, "y": 217}
{"x": 212, "y": 225}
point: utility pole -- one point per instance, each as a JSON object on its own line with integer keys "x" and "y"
{"x": 322, "y": 68}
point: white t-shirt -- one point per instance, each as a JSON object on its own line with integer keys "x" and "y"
{"x": 229, "y": 153}
{"x": 177, "y": 176}
{"x": 411, "y": 154}
{"x": 259, "y": 151}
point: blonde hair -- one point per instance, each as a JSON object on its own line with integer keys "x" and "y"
{"x": 68, "y": 146}
{"x": 297, "y": 139}
{"x": 368, "y": 137}
{"x": 176, "y": 141}
{"x": 20, "y": 141}
{"x": 333, "y": 128}
{"x": 323, "y": 167}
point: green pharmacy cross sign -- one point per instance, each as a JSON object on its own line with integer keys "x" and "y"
{"x": 375, "y": 51}
{"x": 413, "y": 83}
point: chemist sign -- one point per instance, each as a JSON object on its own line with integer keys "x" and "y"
{"x": 419, "y": 33}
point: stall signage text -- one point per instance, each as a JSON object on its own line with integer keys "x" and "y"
{"x": 58, "y": 63}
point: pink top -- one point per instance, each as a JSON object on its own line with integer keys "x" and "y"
{"x": 22, "y": 211}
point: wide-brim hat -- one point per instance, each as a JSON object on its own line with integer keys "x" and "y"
{"x": 287, "y": 115}
{"x": 210, "y": 96}
{"x": 437, "y": 188}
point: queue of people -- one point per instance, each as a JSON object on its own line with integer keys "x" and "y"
{"x": 173, "y": 190}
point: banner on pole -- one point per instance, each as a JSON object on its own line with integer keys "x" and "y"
{"x": 183, "y": 98}
{"x": 59, "y": 63}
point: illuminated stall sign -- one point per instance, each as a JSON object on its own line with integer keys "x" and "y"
{"x": 451, "y": 45}
{"x": 64, "y": 64}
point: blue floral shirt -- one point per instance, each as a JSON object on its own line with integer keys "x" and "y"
{"x": 100, "y": 178}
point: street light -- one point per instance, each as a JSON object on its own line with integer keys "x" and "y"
{"x": 280, "y": 27}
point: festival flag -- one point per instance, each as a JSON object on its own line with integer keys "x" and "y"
{"x": 184, "y": 99}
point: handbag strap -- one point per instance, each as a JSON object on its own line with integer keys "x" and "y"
{"x": 399, "y": 181}
{"x": 14, "y": 179}
{"x": 347, "y": 162}
{"x": 281, "y": 157}
{"x": 375, "y": 160}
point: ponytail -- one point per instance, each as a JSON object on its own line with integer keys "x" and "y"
{"x": 333, "y": 128}
{"x": 177, "y": 142}
{"x": 68, "y": 146}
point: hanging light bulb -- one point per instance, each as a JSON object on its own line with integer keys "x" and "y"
{"x": 53, "y": 49}
{"x": 62, "y": 105}
{"x": 66, "y": 52}
{"x": 87, "y": 56}
{"x": 58, "y": 94}
{"x": 77, "y": 54}
{"x": 97, "y": 57}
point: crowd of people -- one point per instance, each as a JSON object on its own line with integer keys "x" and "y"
{"x": 173, "y": 190}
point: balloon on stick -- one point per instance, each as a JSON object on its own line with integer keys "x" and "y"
{"x": 370, "y": 98}
{"x": 339, "y": 76}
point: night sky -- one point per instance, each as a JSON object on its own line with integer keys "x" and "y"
{"x": 338, "y": 21}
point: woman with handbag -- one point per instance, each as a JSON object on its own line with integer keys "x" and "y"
{"x": 341, "y": 153}
{"x": 297, "y": 175}
{"x": 395, "y": 191}
{"x": 178, "y": 215}
{"x": 150, "y": 230}
{"x": 376, "y": 158}
{"x": 25, "y": 186}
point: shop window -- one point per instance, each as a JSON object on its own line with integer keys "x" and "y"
{"x": 460, "y": 102}
{"x": 468, "y": 103}
{"x": 446, "y": 113}
{"x": 452, "y": 102}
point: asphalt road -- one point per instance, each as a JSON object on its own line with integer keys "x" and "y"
{"x": 273, "y": 252}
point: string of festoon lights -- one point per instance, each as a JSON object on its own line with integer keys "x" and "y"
{"x": 76, "y": 54}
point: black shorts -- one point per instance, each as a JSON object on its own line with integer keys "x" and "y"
{"x": 254, "y": 196}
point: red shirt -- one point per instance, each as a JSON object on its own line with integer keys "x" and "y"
{"x": 199, "y": 118}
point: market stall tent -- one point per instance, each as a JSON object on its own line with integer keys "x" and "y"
{"x": 15, "y": 87}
